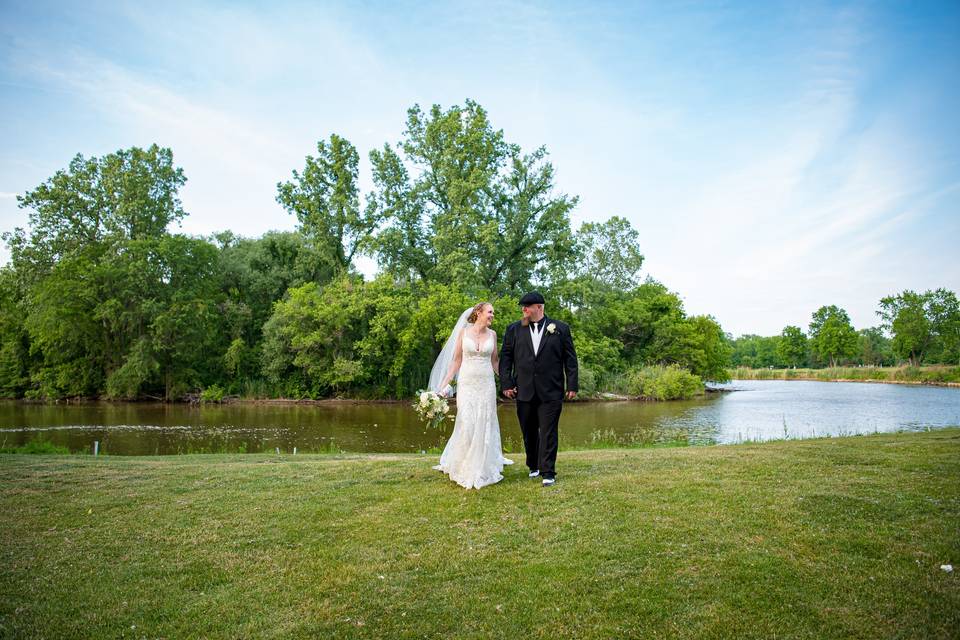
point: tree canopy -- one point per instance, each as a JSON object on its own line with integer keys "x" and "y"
{"x": 103, "y": 297}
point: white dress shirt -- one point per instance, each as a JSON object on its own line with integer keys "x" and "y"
{"x": 536, "y": 335}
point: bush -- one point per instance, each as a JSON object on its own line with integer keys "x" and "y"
{"x": 661, "y": 382}
{"x": 212, "y": 393}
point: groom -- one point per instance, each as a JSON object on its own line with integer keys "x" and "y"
{"x": 537, "y": 351}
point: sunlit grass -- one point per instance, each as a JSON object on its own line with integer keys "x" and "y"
{"x": 837, "y": 538}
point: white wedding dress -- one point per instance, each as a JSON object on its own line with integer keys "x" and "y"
{"x": 473, "y": 457}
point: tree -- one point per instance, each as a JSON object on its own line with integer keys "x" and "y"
{"x": 477, "y": 211}
{"x": 257, "y": 272}
{"x": 945, "y": 318}
{"x": 792, "y": 346}
{"x": 710, "y": 355}
{"x": 921, "y": 322}
{"x": 14, "y": 339}
{"x": 131, "y": 194}
{"x": 649, "y": 326}
{"x": 112, "y": 302}
{"x": 310, "y": 341}
{"x": 187, "y": 336}
{"x": 755, "y": 351}
{"x": 875, "y": 347}
{"x": 326, "y": 201}
{"x": 832, "y": 337}
{"x": 905, "y": 316}
{"x": 609, "y": 253}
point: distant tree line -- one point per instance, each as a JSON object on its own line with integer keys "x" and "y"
{"x": 915, "y": 329}
{"x": 102, "y": 299}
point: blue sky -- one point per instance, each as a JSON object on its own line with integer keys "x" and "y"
{"x": 774, "y": 157}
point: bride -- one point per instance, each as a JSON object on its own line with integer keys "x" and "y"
{"x": 473, "y": 457}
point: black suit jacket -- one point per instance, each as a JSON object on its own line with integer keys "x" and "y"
{"x": 540, "y": 375}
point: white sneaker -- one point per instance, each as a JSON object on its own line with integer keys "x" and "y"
{"x": 548, "y": 481}
{"x": 533, "y": 474}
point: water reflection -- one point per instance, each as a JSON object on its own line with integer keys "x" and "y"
{"x": 757, "y": 410}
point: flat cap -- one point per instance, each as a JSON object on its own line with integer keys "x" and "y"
{"x": 533, "y": 297}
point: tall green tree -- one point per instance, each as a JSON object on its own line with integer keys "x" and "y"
{"x": 905, "y": 316}
{"x": 131, "y": 194}
{"x": 792, "y": 346}
{"x": 921, "y": 322}
{"x": 102, "y": 278}
{"x": 832, "y": 337}
{"x": 475, "y": 211}
{"x": 326, "y": 201}
{"x": 609, "y": 253}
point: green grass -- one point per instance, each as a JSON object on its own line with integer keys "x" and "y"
{"x": 38, "y": 446}
{"x": 934, "y": 374}
{"x": 832, "y": 538}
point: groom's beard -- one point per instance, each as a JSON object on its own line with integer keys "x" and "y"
{"x": 524, "y": 322}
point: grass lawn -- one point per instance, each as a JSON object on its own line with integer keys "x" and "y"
{"x": 832, "y": 538}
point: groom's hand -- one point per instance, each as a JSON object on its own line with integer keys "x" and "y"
{"x": 510, "y": 393}
{"x": 571, "y": 395}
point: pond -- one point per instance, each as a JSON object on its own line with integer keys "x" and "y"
{"x": 751, "y": 410}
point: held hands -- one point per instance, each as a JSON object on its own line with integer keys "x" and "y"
{"x": 512, "y": 393}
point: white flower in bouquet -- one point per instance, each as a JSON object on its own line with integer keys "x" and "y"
{"x": 431, "y": 408}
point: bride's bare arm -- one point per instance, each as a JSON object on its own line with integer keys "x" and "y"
{"x": 495, "y": 356}
{"x": 455, "y": 363}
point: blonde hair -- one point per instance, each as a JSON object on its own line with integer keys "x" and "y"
{"x": 476, "y": 312}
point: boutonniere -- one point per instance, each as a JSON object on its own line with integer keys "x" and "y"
{"x": 551, "y": 328}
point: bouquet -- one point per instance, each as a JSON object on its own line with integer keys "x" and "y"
{"x": 432, "y": 408}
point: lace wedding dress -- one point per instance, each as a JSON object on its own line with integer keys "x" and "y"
{"x": 473, "y": 457}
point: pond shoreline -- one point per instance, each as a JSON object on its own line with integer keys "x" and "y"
{"x": 607, "y": 397}
{"x": 916, "y": 383}
{"x": 600, "y": 398}
{"x": 927, "y": 375}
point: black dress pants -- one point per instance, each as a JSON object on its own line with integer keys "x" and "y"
{"x": 538, "y": 423}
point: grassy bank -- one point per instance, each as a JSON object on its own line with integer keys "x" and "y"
{"x": 940, "y": 375}
{"x": 809, "y": 539}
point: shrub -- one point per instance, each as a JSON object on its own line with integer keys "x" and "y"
{"x": 660, "y": 382}
{"x": 212, "y": 393}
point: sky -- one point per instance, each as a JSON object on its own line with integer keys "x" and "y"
{"x": 774, "y": 158}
